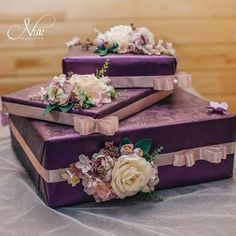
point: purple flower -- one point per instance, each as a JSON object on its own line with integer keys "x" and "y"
{"x": 216, "y": 107}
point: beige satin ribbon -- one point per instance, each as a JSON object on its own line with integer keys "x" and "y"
{"x": 87, "y": 125}
{"x": 50, "y": 176}
{"x": 162, "y": 83}
{"x": 212, "y": 154}
{"x": 217, "y": 153}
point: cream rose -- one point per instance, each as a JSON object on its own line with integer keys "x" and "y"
{"x": 118, "y": 34}
{"x": 96, "y": 89}
{"x": 130, "y": 175}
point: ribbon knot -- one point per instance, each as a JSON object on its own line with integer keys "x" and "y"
{"x": 87, "y": 125}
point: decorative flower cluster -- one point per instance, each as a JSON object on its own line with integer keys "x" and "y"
{"x": 215, "y": 107}
{"x": 127, "y": 38}
{"x": 77, "y": 91}
{"x": 115, "y": 172}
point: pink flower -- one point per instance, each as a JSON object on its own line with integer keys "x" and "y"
{"x": 164, "y": 48}
{"x": 59, "y": 90}
{"x": 154, "y": 179}
{"x": 138, "y": 151}
{"x": 99, "y": 190}
{"x": 84, "y": 164}
{"x": 127, "y": 149}
{"x": 103, "y": 192}
{"x": 143, "y": 40}
{"x": 74, "y": 41}
{"x": 102, "y": 167}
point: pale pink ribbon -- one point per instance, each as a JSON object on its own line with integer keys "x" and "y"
{"x": 54, "y": 176}
{"x": 212, "y": 154}
{"x": 87, "y": 125}
{"x": 163, "y": 82}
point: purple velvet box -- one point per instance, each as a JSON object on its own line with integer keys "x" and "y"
{"x": 130, "y": 65}
{"x": 180, "y": 123}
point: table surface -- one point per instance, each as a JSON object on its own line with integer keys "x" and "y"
{"x": 204, "y": 209}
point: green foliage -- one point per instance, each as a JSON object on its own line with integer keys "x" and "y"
{"x": 86, "y": 101}
{"x": 151, "y": 157}
{"x": 53, "y": 107}
{"x": 102, "y": 51}
{"x": 66, "y": 108}
{"x": 49, "y": 108}
{"x": 101, "y": 72}
{"x": 145, "y": 145}
{"x": 153, "y": 196}
{"x": 124, "y": 141}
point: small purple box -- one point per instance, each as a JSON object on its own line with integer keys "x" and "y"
{"x": 180, "y": 123}
{"x": 85, "y": 62}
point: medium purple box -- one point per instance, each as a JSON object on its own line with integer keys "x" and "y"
{"x": 181, "y": 124}
{"x": 127, "y": 103}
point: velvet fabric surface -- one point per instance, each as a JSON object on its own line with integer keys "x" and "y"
{"x": 125, "y": 98}
{"x": 179, "y": 122}
{"x": 85, "y": 62}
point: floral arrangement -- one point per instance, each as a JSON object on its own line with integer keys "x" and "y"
{"x": 116, "y": 172}
{"x": 77, "y": 91}
{"x": 220, "y": 108}
{"x": 127, "y": 38}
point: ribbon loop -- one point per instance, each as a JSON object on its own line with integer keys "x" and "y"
{"x": 212, "y": 154}
{"x": 187, "y": 159}
{"x": 163, "y": 83}
{"x": 87, "y": 125}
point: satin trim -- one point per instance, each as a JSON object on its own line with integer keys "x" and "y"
{"x": 73, "y": 119}
{"x": 188, "y": 157}
{"x": 50, "y": 176}
{"x": 201, "y": 153}
{"x": 163, "y": 82}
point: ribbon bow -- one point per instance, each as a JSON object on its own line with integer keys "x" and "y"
{"x": 87, "y": 125}
{"x": 211, "y": 154}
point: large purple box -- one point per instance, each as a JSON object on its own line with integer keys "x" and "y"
{"x": 180, "y": 123}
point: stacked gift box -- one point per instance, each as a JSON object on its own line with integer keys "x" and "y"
{"x": 151, "y": 121}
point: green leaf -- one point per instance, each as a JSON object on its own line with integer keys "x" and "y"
{"x": 87, "y": 104}
{"x": 66, "y": 108}
{"x": 124, "y": 141}
{"x": 49, "y": 108}
{"x": 145, "y": 145}
{"x": 153, "y": 196}
{"x": 103, "y": 51}
{"x": 114, "y": 48}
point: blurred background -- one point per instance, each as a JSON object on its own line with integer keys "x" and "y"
{"x": 203, "y": 33}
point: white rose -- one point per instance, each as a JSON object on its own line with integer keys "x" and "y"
{"x": 130, "y": 175}
{"x": 120, "y": 34}
{"x": 96, "y": 89}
